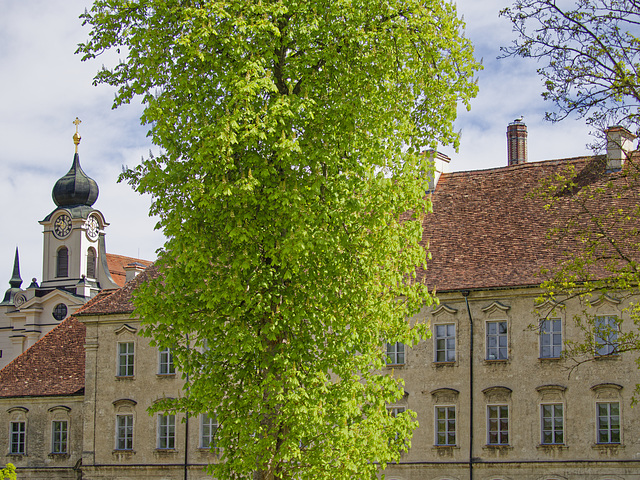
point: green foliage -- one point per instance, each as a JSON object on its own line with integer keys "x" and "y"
{"x": 589, "y": 56}
{"x": 291, "y": 192}
{"x": 8, "y": 472}
{"x": 598, "y": 228}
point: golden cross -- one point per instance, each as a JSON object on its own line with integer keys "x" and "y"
{"x": 76, "y": 136}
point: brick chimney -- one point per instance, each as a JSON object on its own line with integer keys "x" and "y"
{"x": 619, "y": 146}
{"x": 517, "y": 142}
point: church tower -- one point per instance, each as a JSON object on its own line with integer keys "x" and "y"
{"x": 74, "y": 257}
{"x": 75, "y": 265}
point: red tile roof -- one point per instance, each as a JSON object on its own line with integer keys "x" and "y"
{"x": 488, "y": 230}
{"x": 117, "y": 263}
{"x": 54, "y": 365}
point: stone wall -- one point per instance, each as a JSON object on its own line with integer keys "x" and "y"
{"x": 522, "y": 382}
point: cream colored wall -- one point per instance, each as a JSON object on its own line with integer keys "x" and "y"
{"x": 132, "y": 396}
{"x": 523, "y": 382}
{"x": 39, "y": 462}
{"x": 524, "y": 373}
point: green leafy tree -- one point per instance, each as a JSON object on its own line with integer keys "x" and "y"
{"x": 291, "y": 192}
{"x": 598, "y": 228}
{"x": 590, "y": 57}
{"x": 8, "y": 472}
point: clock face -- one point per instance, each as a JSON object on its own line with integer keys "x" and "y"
{"x": 62, "y": 226}
{"x": 92, "y": 227}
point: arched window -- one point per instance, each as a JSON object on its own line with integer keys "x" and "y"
{"x": 62, "y": 264}
{"x": 91, "y": 263}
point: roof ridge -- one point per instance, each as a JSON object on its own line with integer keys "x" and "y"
{"x": 527, "y": 164}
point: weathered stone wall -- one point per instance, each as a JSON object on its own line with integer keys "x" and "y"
{"x": 39, "y": 462}
{"x": 523, "y": 382}
{"x": 109, "y": 394}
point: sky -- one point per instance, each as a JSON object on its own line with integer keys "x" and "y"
{"x": 44, "y": 86}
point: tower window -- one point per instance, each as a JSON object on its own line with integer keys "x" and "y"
{"x": 91, "y": 263}
{"x": 62, "y": 262}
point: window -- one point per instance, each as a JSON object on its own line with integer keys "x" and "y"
{"x": 166, "y": 432}
{"x": 62, "y": 263}
{"x": 59, "y": 436}
{"x": 18, "y": 438}
{"x": 166, "y": 362}
{"x": 124, "y": 432}
{"x": 60, "y": 311}
{"x": 445, "y": 343}
{"x": 395, "y": 411}
{"x": 608, "y": 422}
{"x": 497, "y": 340}
{"x": 208, "y": 429}
{"x": 498, "y": 425}
{"x": 125, "y": 359}
{"x": 395, "y": 353}
{"x": 606, "y": 333}
{"x": 551, "y": 338}
{"x": 445, "y": 425}
{"x": 91, "y": 263}
{"x": 552, "y": 421}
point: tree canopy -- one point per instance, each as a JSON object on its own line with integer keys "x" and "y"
{"x": 8, "y": 472}
{"x": 590, "y": 57}
{"x": 291, "y": 189}
{"x": 599, "y": 212}
{"x": 589, "y": 54}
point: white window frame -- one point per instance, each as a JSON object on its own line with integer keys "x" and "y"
{"x": 396, "y": 353}
{"x": 444, "y": 343}
{"x": 551, "y": 338}
{"x": 552, "y": 428}
{"x": 499, "y": 432}
{"x": 208, "y": 428}
{"x": 124, "y": 432}
{"x": 166, "y": 432}
{"x": 447, "y": 423}
{"x": 395, "y": 411}
{"x": 610, "y": 326}
{"x": 490, "y": 337}
{"x": 59, "y": 436}
{"x": 604, "y": 424}
{"x": 18, "y": 438}
{"x": 165, "y": 362}
{"x": 126, "y": 360}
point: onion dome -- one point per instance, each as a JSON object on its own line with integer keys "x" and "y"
{"x": 76, "y": 187}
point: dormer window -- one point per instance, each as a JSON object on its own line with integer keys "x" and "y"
{"x": 62, "y": 262}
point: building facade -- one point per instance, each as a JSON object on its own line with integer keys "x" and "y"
{"x": 494, "y": 396}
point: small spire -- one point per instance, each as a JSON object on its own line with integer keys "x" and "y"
{"x": 76, "y": 136}
{"x": 16, "y": 281}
